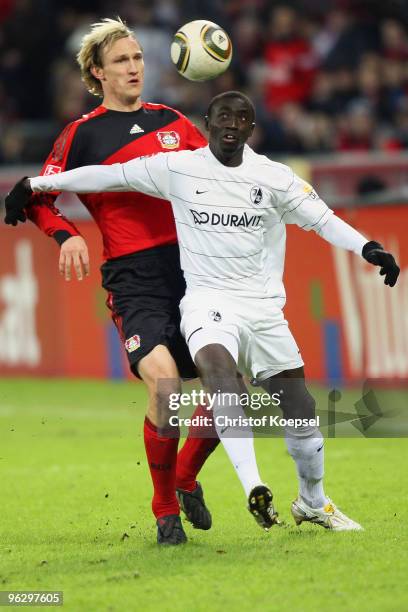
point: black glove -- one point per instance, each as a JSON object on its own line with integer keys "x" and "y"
{"x": 374, "y": 253}
{"x": 16, "y": 201}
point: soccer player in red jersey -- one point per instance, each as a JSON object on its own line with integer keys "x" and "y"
{"x": 141, "y": 272}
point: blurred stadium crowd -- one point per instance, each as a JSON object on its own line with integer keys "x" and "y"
{"x": 326, "y": 75}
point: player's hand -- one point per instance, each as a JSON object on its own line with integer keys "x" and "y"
{"x": 74, "y": 252}
{"x": 374, "y": 253}
{"x": 16, "y": 201}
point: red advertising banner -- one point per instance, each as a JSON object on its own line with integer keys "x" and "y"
{"x": 347, "y": 324}
{"x": 49, "y": 326}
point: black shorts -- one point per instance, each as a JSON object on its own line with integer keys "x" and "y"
{"x": 144, "y": 292}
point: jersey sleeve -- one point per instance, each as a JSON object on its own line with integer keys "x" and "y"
{"x": 148, "y": 175}
{"x": 195, "y": 139}
{"x": 192, "y": 137}
{"x": 301, "y": 205}
{"x": 341, "y": 234}
{"x": 41, "y": 209}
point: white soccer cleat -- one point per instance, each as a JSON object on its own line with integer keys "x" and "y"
{"x": 328, "y": 517}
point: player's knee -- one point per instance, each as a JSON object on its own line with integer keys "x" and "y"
{"x": 296, "y": 402}
{"x": 158, "y": 366}
{"x": 301, "y": 405}
{"x": 216, "y": 367}
{"x": 159, "y": 372}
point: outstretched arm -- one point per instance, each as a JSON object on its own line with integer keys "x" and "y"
{"x": 300, "y": 204}
{"x": 148, "y": 175}
{"x": 88, "y": 179}
{"x": 341, "y": 234}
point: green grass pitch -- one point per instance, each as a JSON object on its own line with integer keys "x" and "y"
{"x": 75, "y": 515}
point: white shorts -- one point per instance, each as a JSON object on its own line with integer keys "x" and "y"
{"x": 253, "y": 330}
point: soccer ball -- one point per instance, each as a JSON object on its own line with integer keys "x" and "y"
{"x": 201, "y": 50}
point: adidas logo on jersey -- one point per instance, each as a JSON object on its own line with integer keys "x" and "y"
{"x": 227, "y": 220}
{"x": 136, "y": 129}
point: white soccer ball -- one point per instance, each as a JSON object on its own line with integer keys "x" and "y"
{"x": 201, "y": 50}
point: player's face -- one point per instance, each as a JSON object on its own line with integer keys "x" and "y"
{"x": 122, "y": 72}
{"x": 230, "y": 125}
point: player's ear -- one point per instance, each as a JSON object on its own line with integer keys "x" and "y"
{"x": 97, "y": 72}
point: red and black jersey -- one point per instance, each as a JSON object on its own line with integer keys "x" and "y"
{"x": 129, "y": 221}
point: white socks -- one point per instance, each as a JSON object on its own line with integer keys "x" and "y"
{"x": 238, "y": 442}
{"x": 308, "y": 454}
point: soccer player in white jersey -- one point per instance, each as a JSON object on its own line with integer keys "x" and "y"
{"x": 231, "y": 207}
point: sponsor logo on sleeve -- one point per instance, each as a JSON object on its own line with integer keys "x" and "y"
{"x": 132, "y": 344}
{"x": 310, "y": 191}
{"x": 51, "y": 169}
{"x": 169, "y": 140}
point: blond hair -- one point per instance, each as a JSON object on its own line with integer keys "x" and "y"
{"x": 101, "y": 37}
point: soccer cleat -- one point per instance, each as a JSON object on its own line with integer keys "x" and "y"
{"x": 328, "y": 517}
{"x": 193, "y": 505}
{"x": 261, "y": 507}
{"x": 170, "y": 531}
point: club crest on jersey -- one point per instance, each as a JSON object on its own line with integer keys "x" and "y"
{"x": 50, "y": 169}
{"x": 215, "y": 315}
{"x": 256, "y": 195}
{"x": 132, "y": 343}
{"x": 169, "y": 140}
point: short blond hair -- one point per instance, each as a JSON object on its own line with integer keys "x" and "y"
{"x": 101, "y": 37}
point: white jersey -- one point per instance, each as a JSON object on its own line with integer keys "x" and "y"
{"x": 230, "y": 220}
